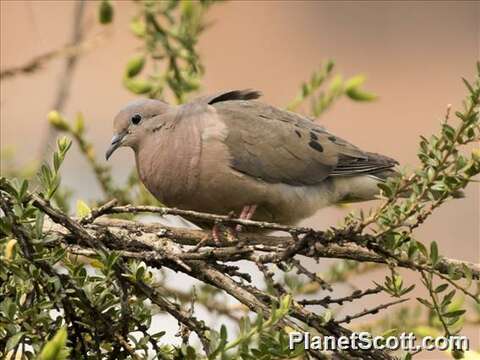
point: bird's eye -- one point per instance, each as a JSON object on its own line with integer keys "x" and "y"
{"x": 136, "y": 119}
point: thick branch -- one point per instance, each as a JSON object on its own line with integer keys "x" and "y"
{"x": 264, "y": 248}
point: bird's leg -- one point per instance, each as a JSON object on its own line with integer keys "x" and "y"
{"x": 246, "y": 214}
{"x": 216, "y": 233}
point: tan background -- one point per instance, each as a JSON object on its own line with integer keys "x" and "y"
{"x": 413, "y": 54}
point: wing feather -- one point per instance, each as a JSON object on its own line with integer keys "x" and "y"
{"x": 278, "y": 146}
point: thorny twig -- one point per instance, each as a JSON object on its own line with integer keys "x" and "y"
{"x": 255, "y": 299}
{"x": 372, "y": 311}
{"x": 327, "y": 300}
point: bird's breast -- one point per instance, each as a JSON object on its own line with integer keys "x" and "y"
{"x": 167, "y": 164}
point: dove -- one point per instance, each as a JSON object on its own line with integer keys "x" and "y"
{"x": 229, "y": 152}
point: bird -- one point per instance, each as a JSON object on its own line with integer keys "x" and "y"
{"x": 229, "y": 153}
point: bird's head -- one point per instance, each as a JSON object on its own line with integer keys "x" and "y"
{"x": 133, "y": 122}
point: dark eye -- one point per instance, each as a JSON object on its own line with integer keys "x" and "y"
{"x": 136, "y": 119}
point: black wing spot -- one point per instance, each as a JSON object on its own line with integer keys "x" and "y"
{"x": 315, "y": 146}
{"x": 298, "y": 133}
{"x": 332, "y": 138}
{"x": 313, "y": 136}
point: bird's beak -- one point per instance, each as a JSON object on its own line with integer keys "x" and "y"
{"x": 116, "y": 143}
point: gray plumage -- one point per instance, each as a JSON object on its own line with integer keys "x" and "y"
{"x": 222, "y": 152}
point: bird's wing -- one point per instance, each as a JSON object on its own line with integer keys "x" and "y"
{"x": 283, "y": 147}
{"x": 228, "y": 95}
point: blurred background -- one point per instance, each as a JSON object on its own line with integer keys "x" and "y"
{"x": 413, "y": 54}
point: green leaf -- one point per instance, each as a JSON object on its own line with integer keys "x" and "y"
{"x": 57, "y": 121}
{"x": 386, "y": 189}
{"x": 13, "y": 341}
{"x": 455, "y": 313}
{"x": 360, "y": 95}
{"x": 460, "y": 354}
{"x": 467, "y": 84}
{"x": 326, "y": 316}
{"x": 407, "y": 290}
{"x": 23, "y": 190}
{"x": 140, "y": 273}
{"x": 440, "y": 288}
{"x": 82, "y": 209}
{"x": 79, "y": 125}
{"x": 430, "y": 174}
{"x": 137, "y": 86}
{"x": 434, "y": 253}
{"x": 39, "y": 224}
{"x": 105, "y": 12}
{"x": 64, "y": 143}
{"x": 448, "y": 298}
{"x": 223, "y": 333}
{"x": 448, "y": 131}
{"x": 468, "y": 275}
{"x": 336, "y": 84}
{"x": 353, "y": 91}
{"x": 134, "y": 66}
{"x": 138, "y": 27}
{"x": 422, "y": 249}
{"x": 425, "y": 302}
{"x": 354, "y": 82}
{"x": 55, "y": 349}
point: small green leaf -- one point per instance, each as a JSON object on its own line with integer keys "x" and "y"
{"x": 55, "y": 349}
{"x": 137, "y": 86}
{"x": 82, "y": 209}
{"x": 105, "y": 12}
{"x": 336, "y": 84}
{"x": 13, "y": 341}
{"x": 137, "y": 27}
{"x": 223, "y": 333}
{"x": 39, "y": 224}
{"x": 354, "y": 82}
{"x": 64, "y": 144}
{"x": 407, "y": 290}
{"x": 468, "y": 275}
{"x": 79, "y": 124}
{"x": 327, "y": 316}
{"x": 448, "y": 298}
{"x": 440, "y": 288}
{"x": 434, "y": 253}
{"x": 460, "y": 354}
{"x": 57, "y": 121}
{"x": 455, "y": 313}
{"x": 425, "y": 302}
{"x": 467, "y": 84}
{"x": 23, "y": 190}
{"x": 360, "y": 95}
{"x": 135, "y": 65}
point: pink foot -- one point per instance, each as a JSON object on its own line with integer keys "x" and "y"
{"x": 246, "y": 214}
{"x": 216, "y": 233}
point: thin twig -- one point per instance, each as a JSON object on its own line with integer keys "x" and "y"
{"x": 372, "y": 311}
{"x": 327, "y": 300}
